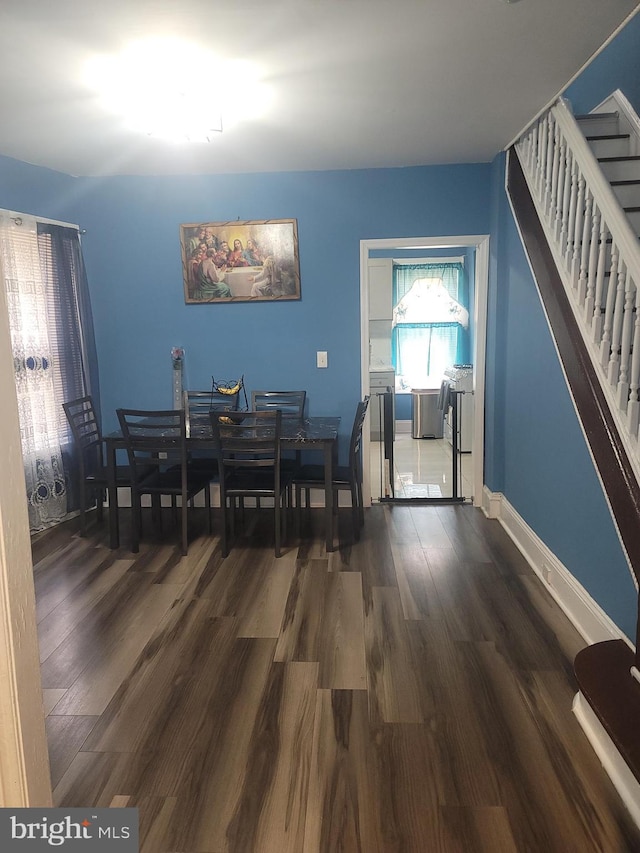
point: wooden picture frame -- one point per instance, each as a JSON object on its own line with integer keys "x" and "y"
{"x": 244, "y": 261}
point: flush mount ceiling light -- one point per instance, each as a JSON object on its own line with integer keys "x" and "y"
{"x": 174, "y": 89}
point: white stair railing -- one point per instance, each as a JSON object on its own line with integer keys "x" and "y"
{"x": 597, "y": 254}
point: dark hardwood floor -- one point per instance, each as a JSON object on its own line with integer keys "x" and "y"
{"x": 409, "y": 693}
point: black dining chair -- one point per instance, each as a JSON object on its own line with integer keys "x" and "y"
{"x": 247, "y": 445}
{"x": 345, "y": 477}
{"x": 156, "y": 443}
{"x": 290, "y": 403}
{"x": 197, "y": 405}
{"x": 90, "y": 450}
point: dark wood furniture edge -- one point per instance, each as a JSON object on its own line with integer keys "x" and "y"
{"x": 603, "y": 674}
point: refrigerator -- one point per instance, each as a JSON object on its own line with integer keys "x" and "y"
{"x": 380, "y": 381}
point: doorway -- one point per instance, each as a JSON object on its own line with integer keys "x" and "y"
{"x": 469, "y": 469}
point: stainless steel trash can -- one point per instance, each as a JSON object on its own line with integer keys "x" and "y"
{"x": 427, "y": 418}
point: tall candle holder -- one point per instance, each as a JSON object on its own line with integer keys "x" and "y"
{"x": 177, "y": 363}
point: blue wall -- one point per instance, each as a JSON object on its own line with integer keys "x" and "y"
{"x": 133, "y": 259}
{"x": 535, "y": 452}
{"x": 132, "y": 254}
{"x": 42, "y": 192}
{"x": 617, "y": 67}
{"x": 539, "y": 457}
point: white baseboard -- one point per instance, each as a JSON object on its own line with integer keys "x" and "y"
{"x": 615, "y": 766}
{"x": 584, "y": 613}
{"x": 491, "y": 503}
{"x": 592, "y": 623}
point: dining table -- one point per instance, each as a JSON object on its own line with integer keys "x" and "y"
{"x": 318, "y": 434}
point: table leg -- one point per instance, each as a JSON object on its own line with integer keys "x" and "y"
{"x": 112, "y": 491}
{"x": 328, "y": 494}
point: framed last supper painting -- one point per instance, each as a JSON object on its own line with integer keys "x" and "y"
{"x": 250, "y": 261}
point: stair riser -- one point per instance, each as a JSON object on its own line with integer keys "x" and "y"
{"x": 596, "y": 125}
{"x": 627, "y": 194}
{"x": 622, "y": 170}
{"x": 609, "y": 147}
{"x": 634, "y": 219}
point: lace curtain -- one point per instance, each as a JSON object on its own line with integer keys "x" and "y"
{"x": 430, "y": 322}
{"x": 53, "y": 353}
{"x": 33, "y": 361}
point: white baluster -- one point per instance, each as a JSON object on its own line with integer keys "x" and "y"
{"x": 524, "y": 153}
{"x": 613, "y": 368}
{"x": 569, "y": 210}
{"x": 542, "y": 150}
{"x": 587, "y": 223}
{"x": 593, "y": 264}
{"x": 577, "y": 233}
{"x": 625, "y": 343}
{"x": 605, "y": 343}
{"x": 548, "y": 167}
{"x": 596, "y": 308}
{"x": 633, "y": 409}
{"x": 561, "y": 191}
{"x": 555, "y": 168}
{"x": 524, "y": 149}
{"x": 533, "y": 148}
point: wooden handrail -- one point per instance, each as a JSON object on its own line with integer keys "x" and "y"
{"x": 587, "y": 229}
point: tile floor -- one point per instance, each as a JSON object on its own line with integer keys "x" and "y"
{"x": 422, "y": 469}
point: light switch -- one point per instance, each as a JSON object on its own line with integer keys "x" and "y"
{"x": 321, "y": 359}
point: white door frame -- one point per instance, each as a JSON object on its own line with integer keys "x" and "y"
{"x": 24, "y": 761}
{"x": 481, "y": 244}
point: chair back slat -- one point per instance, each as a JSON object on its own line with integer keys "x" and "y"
{"x": 290, "y": 403}
{"x": 153, "y": 438}
{"x": 83, "y": 421}
{"x": 247, "y": 439}
{"x": 198, "y": 404}
{"x": 355, "y": 446}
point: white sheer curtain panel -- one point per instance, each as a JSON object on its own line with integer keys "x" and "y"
{"x": 34, "y": 365}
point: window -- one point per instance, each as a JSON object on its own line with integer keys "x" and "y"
{"x": 53, "y": 352}
{"x": 430, "y": 323}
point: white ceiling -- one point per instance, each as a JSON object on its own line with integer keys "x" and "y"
{"x": 356, "y": 83}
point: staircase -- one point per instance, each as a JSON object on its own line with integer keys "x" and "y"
{"x": 615, "y": 147}
{"x": 574, "y": 187}
{"x": 584, "y": 179}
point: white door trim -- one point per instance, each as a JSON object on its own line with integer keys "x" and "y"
{"x": 24, "y": 760}
{"x": 481, "y": 244}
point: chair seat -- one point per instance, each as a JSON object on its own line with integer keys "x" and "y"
{"x": 99, "y": 476}
{"x": 315, "y": 474}
{"x": 255, "y": 481}
{"x": 170, "y": 482}
{"x": 204, "y": 465}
